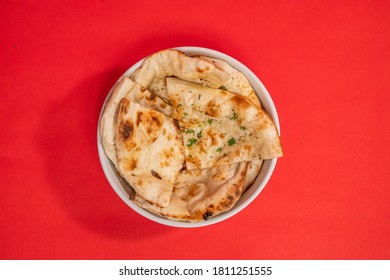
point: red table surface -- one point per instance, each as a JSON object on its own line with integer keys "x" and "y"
{"x": 326, "y": 65}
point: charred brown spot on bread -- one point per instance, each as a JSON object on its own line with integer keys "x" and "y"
{"x": 207, "y": 215}
{"x": 201, "y": 70}
{"x": 152, "y": 121}
{"x": 194, "y": 160}
{"x": 125, "y": 130}
{"x": 184, "y": 167}
{"x": 167, "y": 153}
{"x": 138, "y": 118}
{"x": 212, "y": 135}
{"x": 212, "y": 109}
{"x": 124, "y": 106}
{"x": 155, "y": 174}
{"x": 151, "y": 97}
{"x": 230, "y": 197}
{"x": 240, "y": 102}
{"x": 176, "y": 123}
{"x": 247, "y": 148}
{"x": 130, "y": 164}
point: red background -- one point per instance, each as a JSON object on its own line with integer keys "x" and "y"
{"x": 326, "y": 65}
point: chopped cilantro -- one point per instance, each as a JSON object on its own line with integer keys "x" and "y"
{"x": 231, "y": 142}
{"x": 180, "y": 105}
{"x": 185, "y": 114}
{"x": 191, "y": 142}
{"x": 222, "y": 87}
{"x": 242, "y": 127}
{"x": 210, "y": 121}
{"x": 219, "y": 149}
{"x": 189, "y": 131}
{"x": 199, "y": 135}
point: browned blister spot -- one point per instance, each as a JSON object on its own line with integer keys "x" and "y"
{"x": 125, "y": 130}
{"x": 194, "y": 160}
{"x": 138, "y": 119}
{"x": 240, "y": 102}
{"x": 124, "y": 106}
{"x": 212, "y": 109}
{"x": 213, "y": 137}
{"x": 247, "y": 148}
{"x": 167, "y": 153}
{"x": 184, "y": 167}
{"x": 151, "y": 97}
{"x": 176, "y": 123}
{"x": 130, "y": 164}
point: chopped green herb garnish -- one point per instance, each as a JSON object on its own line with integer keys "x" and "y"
{"x": 185, "y": 114}
{"x": 242, "y": 127}
{"x": 210, "y": 121}
{"x": 189, "y": 155}
{"x": 189, "y": 131}
{"x": 180, "y": 105}
{"x": 222, "y": 87}
{"x": 191, "y": 142}
{"x": 231, "y": 142}
{"x": 219, "y": 149}
{"x": 199, "y": 135}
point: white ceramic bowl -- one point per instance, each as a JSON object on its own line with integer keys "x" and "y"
{"x": 249, "y": 195}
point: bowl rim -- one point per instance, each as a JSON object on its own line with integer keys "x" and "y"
{"x": 252, "y": 192}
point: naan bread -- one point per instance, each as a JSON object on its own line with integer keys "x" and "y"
{"x": 220, "y": 127}
{"x": 239, "y": 80}
{"x": 166, "y": 63}
{"x": 253, "y": 171}
{"x": 201, "y": 194}
{"x": 109, "y": 116}
{"x": 125, "y": 88}
{"x": 149, "y": 151}
{"x": 201, "y": 168}
{"x": 238, "y": 83}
